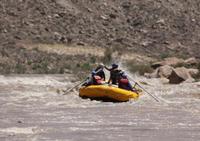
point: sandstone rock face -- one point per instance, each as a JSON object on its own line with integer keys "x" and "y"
{"x": 179, "y": 75}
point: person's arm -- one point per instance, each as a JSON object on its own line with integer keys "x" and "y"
{"x": 109, "y": 69}
{"x": 130, "y": 86}
{"x": 109, "y": 80}
{"x": 103, "y": 76}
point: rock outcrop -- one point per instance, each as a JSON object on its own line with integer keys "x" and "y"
{"x": 179, "y": 75}
{"x": 191, "y": 61}
{"x": 193, "y": 72}
{"x": 169, "y": 69}
{"x": 165, "y": 71}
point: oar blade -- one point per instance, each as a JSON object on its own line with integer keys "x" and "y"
{"x": 70, "y": 89}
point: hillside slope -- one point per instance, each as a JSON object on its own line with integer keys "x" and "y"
{"x": 152, "y": 27}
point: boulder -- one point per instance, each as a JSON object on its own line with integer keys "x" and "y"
{"x": 198, "y": 84}
{"x": 179, "y": 75}
{"x": 157, "y": 65}
{"x": 161, "y": 72}
{"x": 190, "y": 80}
{"x": 165, "y": 71}
{"x": 193, "y": 72}
{"x": 191, "y": 61}
{"x": 172, "y": 61}
{"x": 164, "y": 80}
{"x": 152, "y": 75}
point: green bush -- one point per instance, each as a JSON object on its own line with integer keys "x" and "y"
{"x": 86, "y": 66}
{"x": 29, "y": 62}
{"x": 164, "y": 55}
{"x": 20, "y": 68}
{"x": 138, "y": 67}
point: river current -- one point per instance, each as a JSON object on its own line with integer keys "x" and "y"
{"x": 32, "y": 109}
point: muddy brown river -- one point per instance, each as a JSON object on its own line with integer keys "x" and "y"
{"x": 32, "y": 110}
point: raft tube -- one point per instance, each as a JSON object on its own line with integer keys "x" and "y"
{"x": 107, "y": 93}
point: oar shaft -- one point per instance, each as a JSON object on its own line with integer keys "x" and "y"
{"x": 145, "y": 90}
{"x": 148, "y": 93}
{"x": 74, "y": 87}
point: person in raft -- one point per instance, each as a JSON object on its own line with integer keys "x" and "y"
{"x": 114, "y": 74}
{"x": 93, "y": 80}
{"x": 100, "y": 72}
{"x": 124, "y": 83}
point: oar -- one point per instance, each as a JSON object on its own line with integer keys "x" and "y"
{"x": 145, "y": 83}
{"x": 67, "y": 91}
{"x": 154, "y": 97}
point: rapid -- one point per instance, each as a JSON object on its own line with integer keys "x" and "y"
{"x": 32, "y": 109}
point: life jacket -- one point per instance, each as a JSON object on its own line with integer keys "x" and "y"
{"x": 123, "y": 81}
{"x": 100, "y": 73}
{"x": 114, "y": 76}
{"x": 97, "y": 80}
{"x": 124, "y": 84}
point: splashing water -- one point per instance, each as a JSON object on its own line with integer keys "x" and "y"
{"x": 31, "y": 109}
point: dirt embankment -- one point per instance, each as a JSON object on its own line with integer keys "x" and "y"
{"x": 154, "y": 27}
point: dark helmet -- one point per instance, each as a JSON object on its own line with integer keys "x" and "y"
{"x": 114, "y": 66}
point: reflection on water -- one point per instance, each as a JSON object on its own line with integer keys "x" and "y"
{"x": 31, "y": 109}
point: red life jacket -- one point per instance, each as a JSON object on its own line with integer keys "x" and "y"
{"x": 98, "y": 79}
{"x": 123, "y": 81}
{"x": 124, "y": 84}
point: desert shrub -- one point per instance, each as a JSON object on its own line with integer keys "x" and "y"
{"x": 29, "y": 62}
{"x": 93, "y": 59}
{"x": 78, "y": 65}
{"x": 164, "y": 55}
{"x": 44, "y": 67}
{"x": 35, "y": 66}
{"x": 107, "y": 56}
{"x": 86, "y": 66}
{"x": 40, "y": 67}
{"x": 20, "y": 68}
{"x": 180, "y": 65}
{"x": 5, "y": 69}
{"x": 185, "y": 65}
{"x": 134, "y": 67}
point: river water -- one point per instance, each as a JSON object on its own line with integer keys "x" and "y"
{"x": 31, "y": 109}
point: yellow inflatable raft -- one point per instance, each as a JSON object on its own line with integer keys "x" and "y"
{"x": 107, "y": 93}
